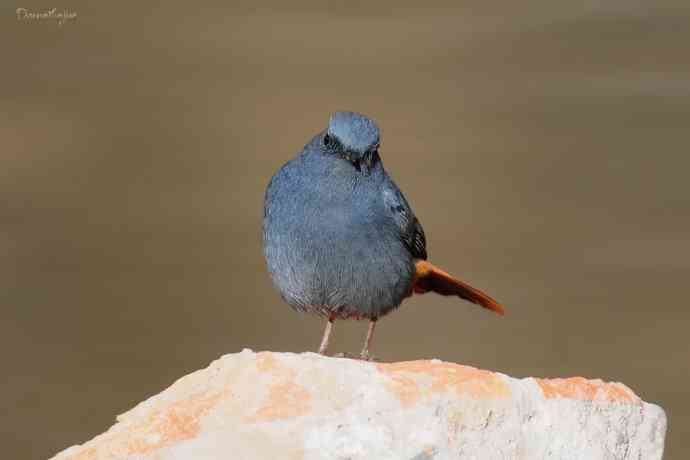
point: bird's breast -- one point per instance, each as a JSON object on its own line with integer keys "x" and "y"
{"x": 328, "y": 244}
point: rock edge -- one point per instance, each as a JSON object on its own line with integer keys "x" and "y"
{"x": 306, "y": 406}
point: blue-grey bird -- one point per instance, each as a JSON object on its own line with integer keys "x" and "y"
{"x": 341, "y": 240}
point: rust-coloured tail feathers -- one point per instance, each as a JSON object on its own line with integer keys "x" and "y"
{"x": 431, "y": 278}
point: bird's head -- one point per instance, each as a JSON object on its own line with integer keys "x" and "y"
{"x": 352, "y": 137}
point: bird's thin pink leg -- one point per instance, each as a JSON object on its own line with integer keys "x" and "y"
{"x": 326, "y": 336}
{"x": 367, "y": 342}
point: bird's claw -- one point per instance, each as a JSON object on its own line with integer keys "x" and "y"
{"x": 366, "y": 356}
{"x": 360, "y": 357}
{"x": 344, "y": 355}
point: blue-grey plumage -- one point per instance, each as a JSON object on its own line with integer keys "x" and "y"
{"x": 336, "y": 227}
{"x": 340, "y": 239}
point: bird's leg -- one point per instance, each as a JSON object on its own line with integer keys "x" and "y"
{"x": 326, "y": 335}
{"x": 367, "y": 342}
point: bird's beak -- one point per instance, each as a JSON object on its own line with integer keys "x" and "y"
{"x": 358, "y": 160}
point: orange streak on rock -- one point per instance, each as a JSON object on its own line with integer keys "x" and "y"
{"x": 586, "y": 390}
{"x": 285, "y": 400}
{"x": 405, "y": 388}
{"x": 179, "y": 422}
{"x": 160, "y": 429}
{"x": 265, "y": 361}
{"x": 407, "y": 381}
{"x": 88, "y": 454}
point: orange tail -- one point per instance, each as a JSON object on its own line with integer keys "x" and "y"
{"x": 431, "y": 278}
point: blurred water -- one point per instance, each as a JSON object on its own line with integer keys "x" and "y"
{"x": 543, "y": 147}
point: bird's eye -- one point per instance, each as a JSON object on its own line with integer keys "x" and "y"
{"x": 326, "y": 140}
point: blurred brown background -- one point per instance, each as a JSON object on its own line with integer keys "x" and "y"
{"x": 543, "y": 145}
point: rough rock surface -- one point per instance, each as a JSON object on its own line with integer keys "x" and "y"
{"x": 305, "y": 406}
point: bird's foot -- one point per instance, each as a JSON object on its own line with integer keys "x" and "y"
{"x": 366, "y": 356}
{"x": 358, "y": 357}
{"x": 345, "y": 355}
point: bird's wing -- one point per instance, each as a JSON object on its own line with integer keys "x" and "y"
{"x": 411, "y": 231}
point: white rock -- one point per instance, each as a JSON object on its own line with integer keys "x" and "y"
{"x": 305, "y": 406}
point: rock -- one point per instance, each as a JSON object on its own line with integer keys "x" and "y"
{"x": 305, "y": 406}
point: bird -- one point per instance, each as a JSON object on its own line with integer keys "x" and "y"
{"x": 341, "y": 240}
